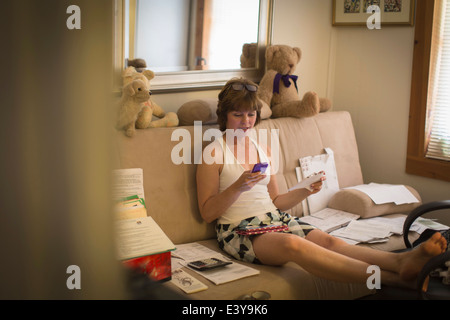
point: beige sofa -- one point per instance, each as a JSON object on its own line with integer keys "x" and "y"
{"x": 170, "y": 193}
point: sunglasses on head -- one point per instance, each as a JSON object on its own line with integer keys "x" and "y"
{"x": 241, "y": 86}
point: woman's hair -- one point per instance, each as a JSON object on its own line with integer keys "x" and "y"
{"x": 231, "y": 99}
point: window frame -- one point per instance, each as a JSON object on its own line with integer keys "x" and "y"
{"x": 416, "y": 161}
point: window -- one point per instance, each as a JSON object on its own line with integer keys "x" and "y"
{"x": 429, "y": 126}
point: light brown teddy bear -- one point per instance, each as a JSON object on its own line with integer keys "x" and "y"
{"x": 151, "y": 108}
{"x": 134, "y": 95}
{"x": 248, "y": 56}
{"x": 279, "y": 87}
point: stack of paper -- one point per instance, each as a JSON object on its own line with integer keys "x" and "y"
{"x": 367, "y": 230}
{"x": 138, "y": 235}
{"x": 329, "y": 219}
{"x": 128, "y": 194}
{"x": 130, "y": 208}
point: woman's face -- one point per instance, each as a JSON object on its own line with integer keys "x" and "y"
{"x": 241, "y": 119}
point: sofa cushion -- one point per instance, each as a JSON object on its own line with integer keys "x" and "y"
{"x": 205, "y": 110}
{"x": 169, "y": 188}
{"x": 198, "y": 110}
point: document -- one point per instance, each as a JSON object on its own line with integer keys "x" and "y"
{"x": 128, "y": 182}
{"x": 387, "y": 193}
{"x": 186, "y": 282}
{"x": 313, "y": 164}
{"x": 364, "y": 231}
{"x": 329, "y": 219}
{"x": 194, "y": 251}
{"x": 421, "y": 224}
{"x": 140, "y": 237}
{"x": 228, "y": 273}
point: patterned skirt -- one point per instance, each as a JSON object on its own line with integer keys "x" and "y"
{"x": 240, "y": 246}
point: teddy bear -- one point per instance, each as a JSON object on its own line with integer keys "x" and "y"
{"x": 151, "y": 108}
{"x": 279, "y": 87}
{"x": 134, "y": 95}
{"x": 248, "y": 56}
{"x": 139, "y": 64}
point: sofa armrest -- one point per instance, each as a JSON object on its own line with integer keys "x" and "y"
{"x": 357, "y": 202}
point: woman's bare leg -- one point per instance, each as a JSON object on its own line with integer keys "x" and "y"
{"x": 406, "y": 264}
{"x": 333, "y": 259}
{"x": 280, "y": 248}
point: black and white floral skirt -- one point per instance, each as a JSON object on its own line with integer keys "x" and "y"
{"x": 240, "y": 246}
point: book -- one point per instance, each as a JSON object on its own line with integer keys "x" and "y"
{"x": 130, "y": 208}
{"x": 140, "y": 237}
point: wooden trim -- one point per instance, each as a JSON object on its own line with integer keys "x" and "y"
{"x": 202, "y": 34}
{"x": 416, "y": 162}
{"x": 132, "y": 30}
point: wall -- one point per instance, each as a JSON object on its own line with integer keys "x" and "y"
{"x": 373, "y": 82}
{"x": 366, "y": 72}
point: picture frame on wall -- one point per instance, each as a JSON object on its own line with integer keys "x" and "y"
{"x": 392, "y": 12}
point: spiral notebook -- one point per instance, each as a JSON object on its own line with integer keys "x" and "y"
{"x": 312, "y": 164}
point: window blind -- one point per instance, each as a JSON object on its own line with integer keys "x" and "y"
{"x": 438, "y": 104}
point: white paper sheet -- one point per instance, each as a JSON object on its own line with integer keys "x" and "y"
{"x": 364, "y": 231}
{"x": 194, "y": 251}
{"x": 329, "y": 219}
{"x": 387, "y": 193}
{"x": 128, "y": 182}
{"x": 310, "y": 165}
{"x": 140, "y": 237}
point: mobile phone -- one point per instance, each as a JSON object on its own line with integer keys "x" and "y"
{"x": 260, "y": 167}
{"x": 207, "y": 264}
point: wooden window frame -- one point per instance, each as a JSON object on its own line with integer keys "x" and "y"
{"x": 416, "y": 162}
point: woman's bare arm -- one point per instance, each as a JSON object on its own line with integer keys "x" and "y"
{"x": 212, "y": 203}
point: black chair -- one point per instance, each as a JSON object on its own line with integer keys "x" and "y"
{"x": 437, "y": 290}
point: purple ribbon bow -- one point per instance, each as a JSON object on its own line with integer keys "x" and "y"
{"x": 286, "y": 80}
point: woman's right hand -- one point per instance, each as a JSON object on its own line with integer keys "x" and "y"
{"x": 248, "y": 180}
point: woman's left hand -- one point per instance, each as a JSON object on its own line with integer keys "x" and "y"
{"x": 316, "y": 186}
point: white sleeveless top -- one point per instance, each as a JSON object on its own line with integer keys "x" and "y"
{"x": 251, "y": 203}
